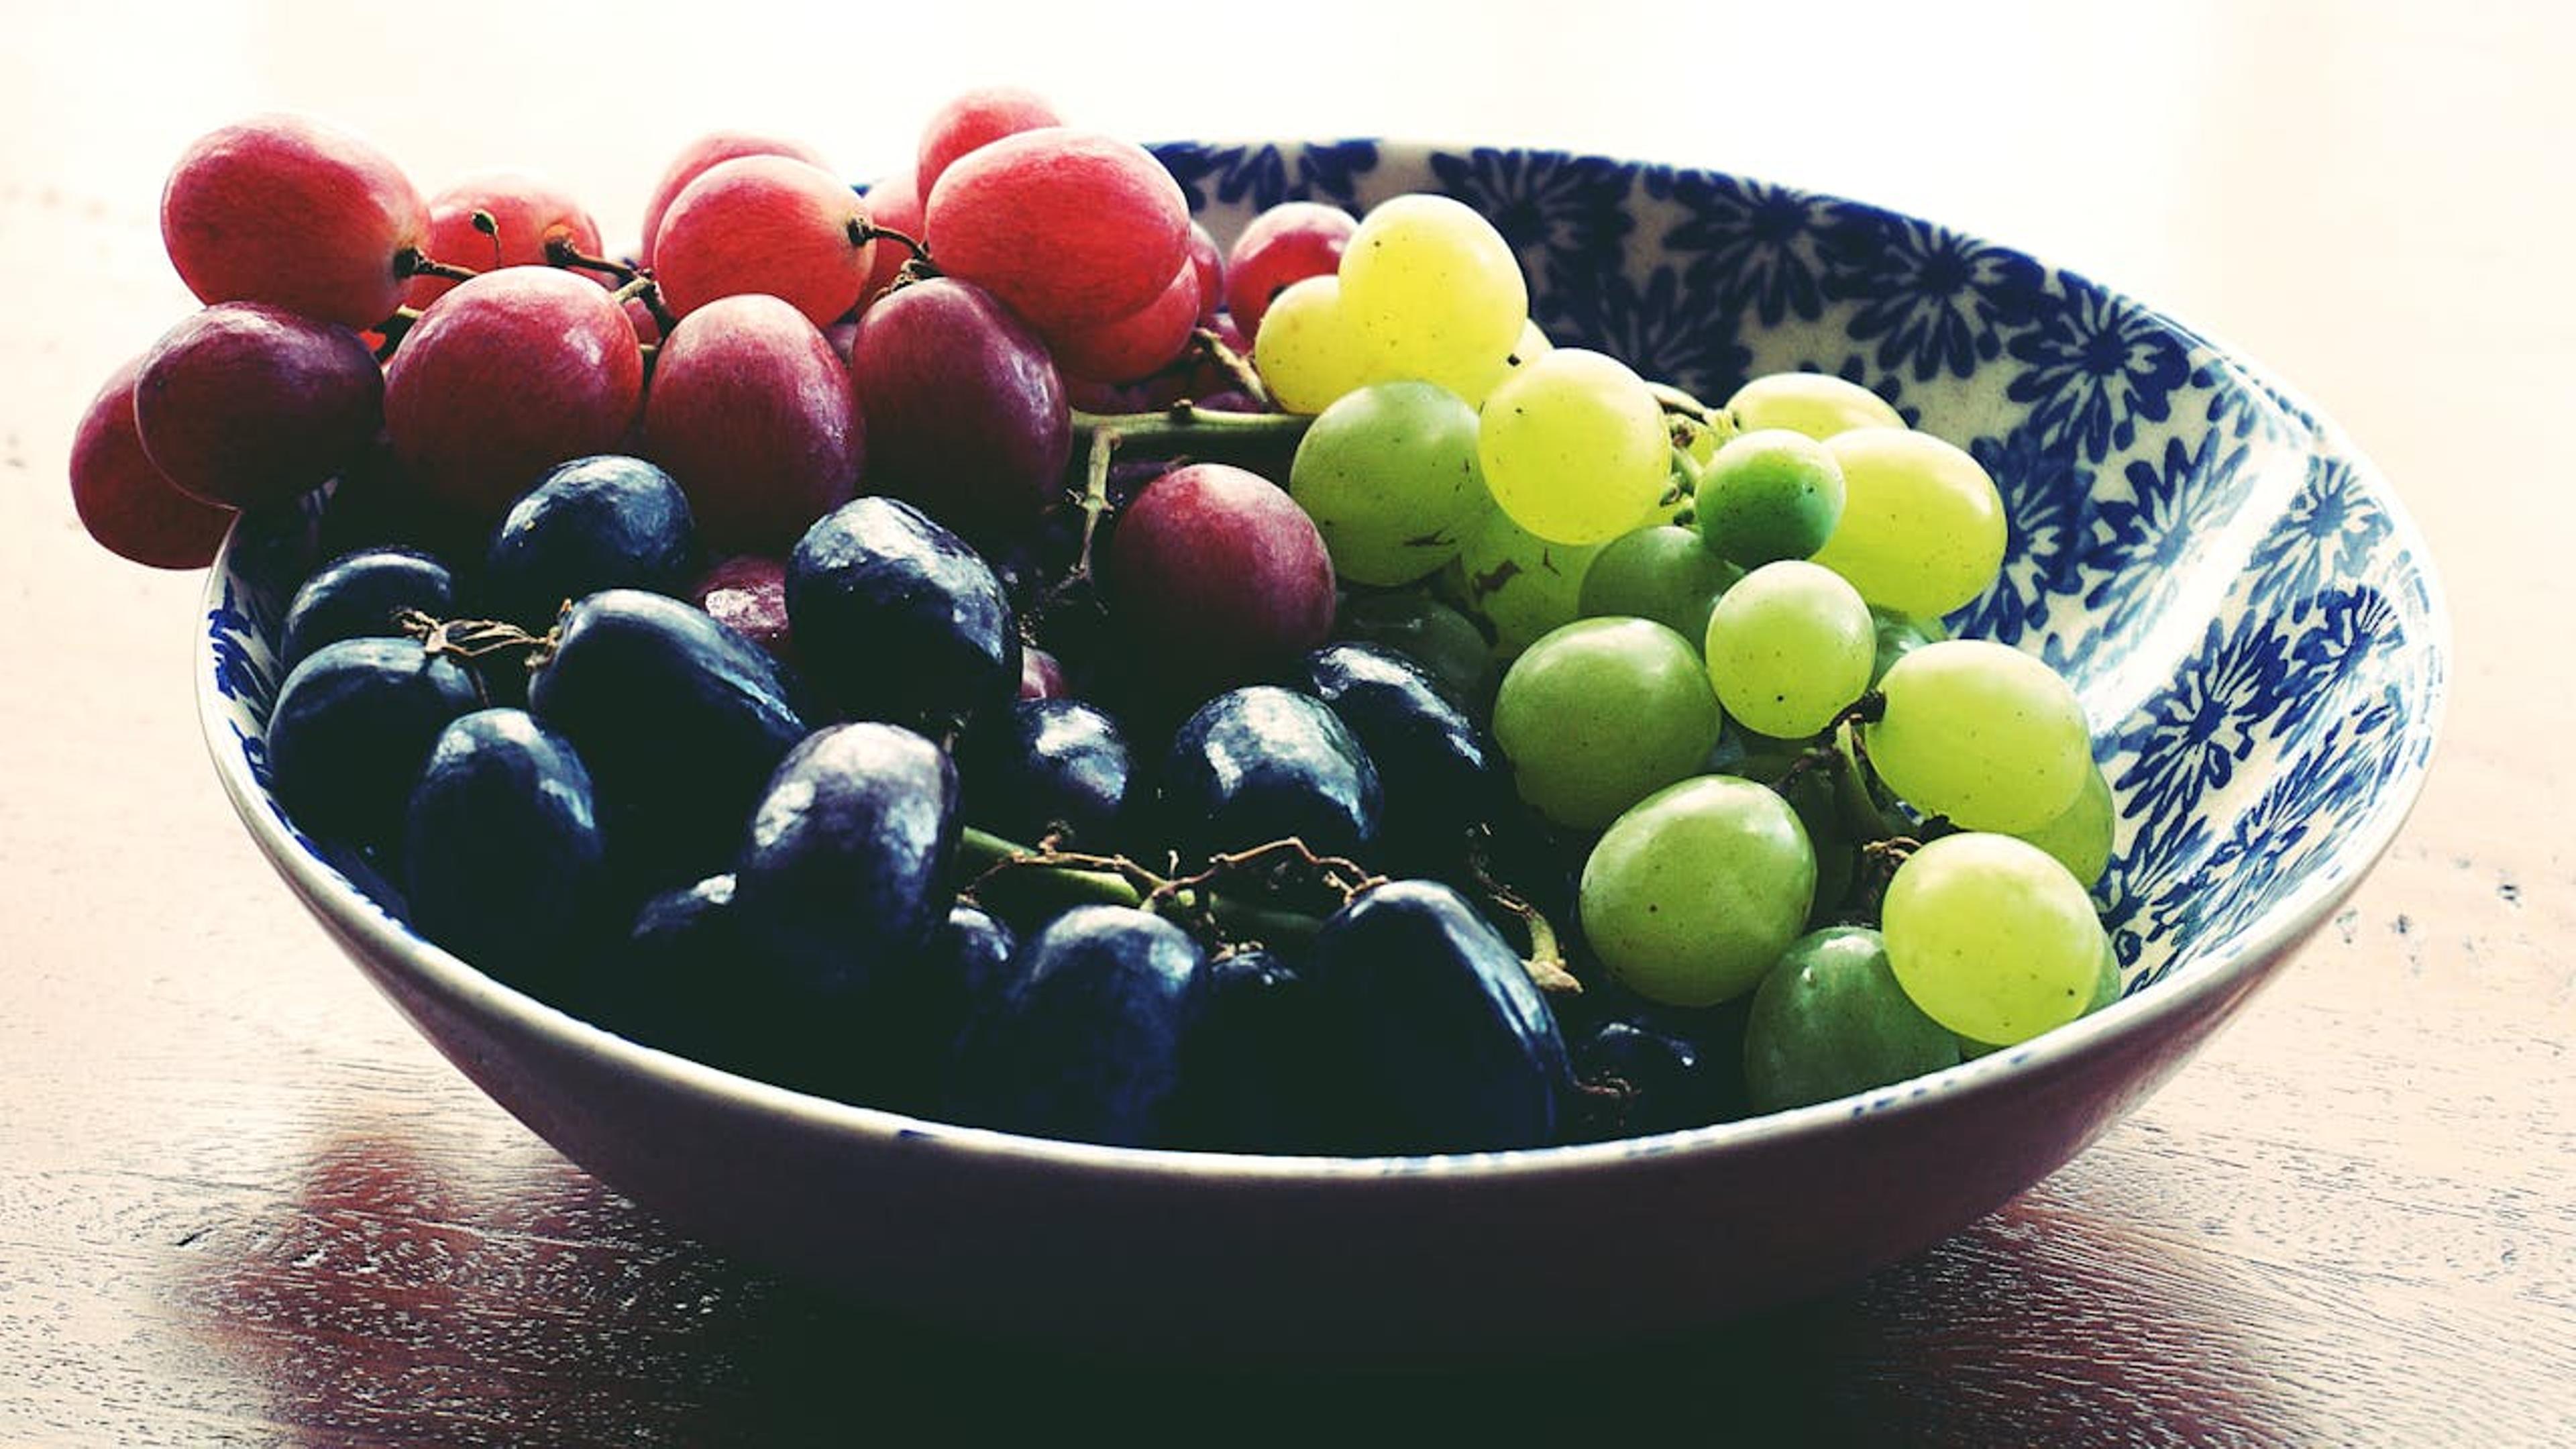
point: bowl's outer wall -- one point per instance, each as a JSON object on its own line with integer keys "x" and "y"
{"x": 2243, "y": 607}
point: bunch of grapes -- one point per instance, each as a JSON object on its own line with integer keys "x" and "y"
{"x": 974, "y": 647}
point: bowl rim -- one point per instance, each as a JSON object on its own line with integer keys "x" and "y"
{"x": 358, "y": 921}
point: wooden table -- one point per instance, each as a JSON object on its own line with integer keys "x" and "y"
{"x": 240, "y": 1202}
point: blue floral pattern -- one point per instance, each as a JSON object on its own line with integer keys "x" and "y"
{"x": 2240, "y": 603}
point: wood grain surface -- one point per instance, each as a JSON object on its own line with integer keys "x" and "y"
{"x": 241, "y": 1203}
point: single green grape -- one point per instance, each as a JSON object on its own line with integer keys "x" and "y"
{"x": 1691, "y": 897}
{"x": 1659, "y": 572}
{"x": 1789, "y": 647}
{"x": 1830, "y": 1020}
{"x": 1388, "y": 474}
{"x": 1574, "y": 447}
{"x": 1520, "y": 584}
{"x": 1991, "y": 937}
{"x": 1443, "y": 641}
{"x": 1600, "y": 714}
{"x": 1307, "y": 352}
{"x": 1433, "y": 291}
{"x": 1814, "y": 403}
{"x": 1767, "y": 495}
{"x": 1982, "y": 733}
{"x": 1922, "y": 527}
{"x": 2080, "y": 835}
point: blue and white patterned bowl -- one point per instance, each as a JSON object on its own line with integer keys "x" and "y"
{"x": 2250, "y": 619}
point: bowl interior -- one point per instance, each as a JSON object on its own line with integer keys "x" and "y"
{"x": 2249, "y": 618}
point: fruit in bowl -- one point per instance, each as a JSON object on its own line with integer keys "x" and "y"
{"x": 2247, "y": 637}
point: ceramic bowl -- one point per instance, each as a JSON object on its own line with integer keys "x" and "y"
{"x": 2251, "y": 621}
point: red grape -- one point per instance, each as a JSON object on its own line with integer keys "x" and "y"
{"x": 894, "y": 204}
{"x": 1125, "y": 348}
{"x": 1041, "y": 675}
{"x": 748, "y": 594}
{"x": 1284, "y": 245}
{"x": 1068, "y": 228}
{"x": 751, "y": 411}
{"x": 1209, "y": 263}
{"x": 1218, "y": 578}
{"x": 505, "y": 377}
{"x": 245, "y": 404}
{"x": 977, "y": 118}
{"x": 764, "y": 224}
{"x": 713, "y": 149}
{"x": 965, "y": 411}
{"x": 526, "y": 210}
{"x": 285, "y": 210}
{"x": 125, "y": 503}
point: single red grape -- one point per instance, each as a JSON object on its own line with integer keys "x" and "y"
{"x": 285, "y": 210}
{"x": 125, "y": 502}
{"x": 748, "y": 594}
{"x": 505, "y": 377}
{"x": 1209, "y": 263}
{"x": 764, "y": 224}
{"x": 1126, "y": 348}
{"x": 526, "y": 211}
{"x": 1041, "y": 675}
{"x": 245, "y": 404}
{"x": 752, "y": 412}
{"x": 1068, "y": 228}
{"x": 713, "y": 149}
{"x": 977, "y": 118}
{"x": 1282, "y": 246}
{"x": 965, "y": 411}
{"x": 1218, "y": 578}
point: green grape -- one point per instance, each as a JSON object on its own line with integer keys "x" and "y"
{"x": 1659, "y": 573}
{"x": 1690, "y": 897}
{"x": 1388, "y": 474}
{"x": 1519, "y": 583}
{"x": 1768, "y": 495}
{"x": 1434, "y": 292}
{"x": 2108, "y": 983}
{"x": 1600, "y": 714}
{"x": 1307, "y": 353}
{"x": 1443, "y": 641}
{"x": 1982, "y": 733}
{"x": 1533, "y": 344}
{"x": 1789, "y": 647}
{"x": 1814, "y": 403}
{"x": 2079, "y": 836}
{"x": 1898, "y": 636}
{"x": 1922, "y": 527}
{"x": 1991, "y": 937}
{"x": 1575, "y": 448}
{"x": 1830, "y": 1020}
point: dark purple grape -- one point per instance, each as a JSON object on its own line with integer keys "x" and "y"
{"x": 1656, "y": 1080}
{"x": 895, "y": 618}
{"x": 916, "y": 1008}
{"x": 1261, "y": 764}
{"x": 352, "y": 725}
{"x": 504, "y": 862}
{"x": 605, "y": 522}
{"x": 841, "y": 872}
{"x": 360, "y": 596}
{"x": 1266, "y": 1068}
{"x": 1456, "y": 1049}
{"x": 966, "y": 415}
{"x": 1085, "y": 1041}
{"x": 1045, "y": 763}
{"x": 1440, "y": 772}
{"x": 680, "y": 720}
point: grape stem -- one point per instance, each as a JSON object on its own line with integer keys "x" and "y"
{"x": 413, "y": 262}
{"x": 560, "y": 252}
{"x": 1115, "y": 880}
{"x": 1546, "y": 959}
{"x": 395, "y": 328}
{"x": 1237, "y": 367}
{"x": 863, "y": 231}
